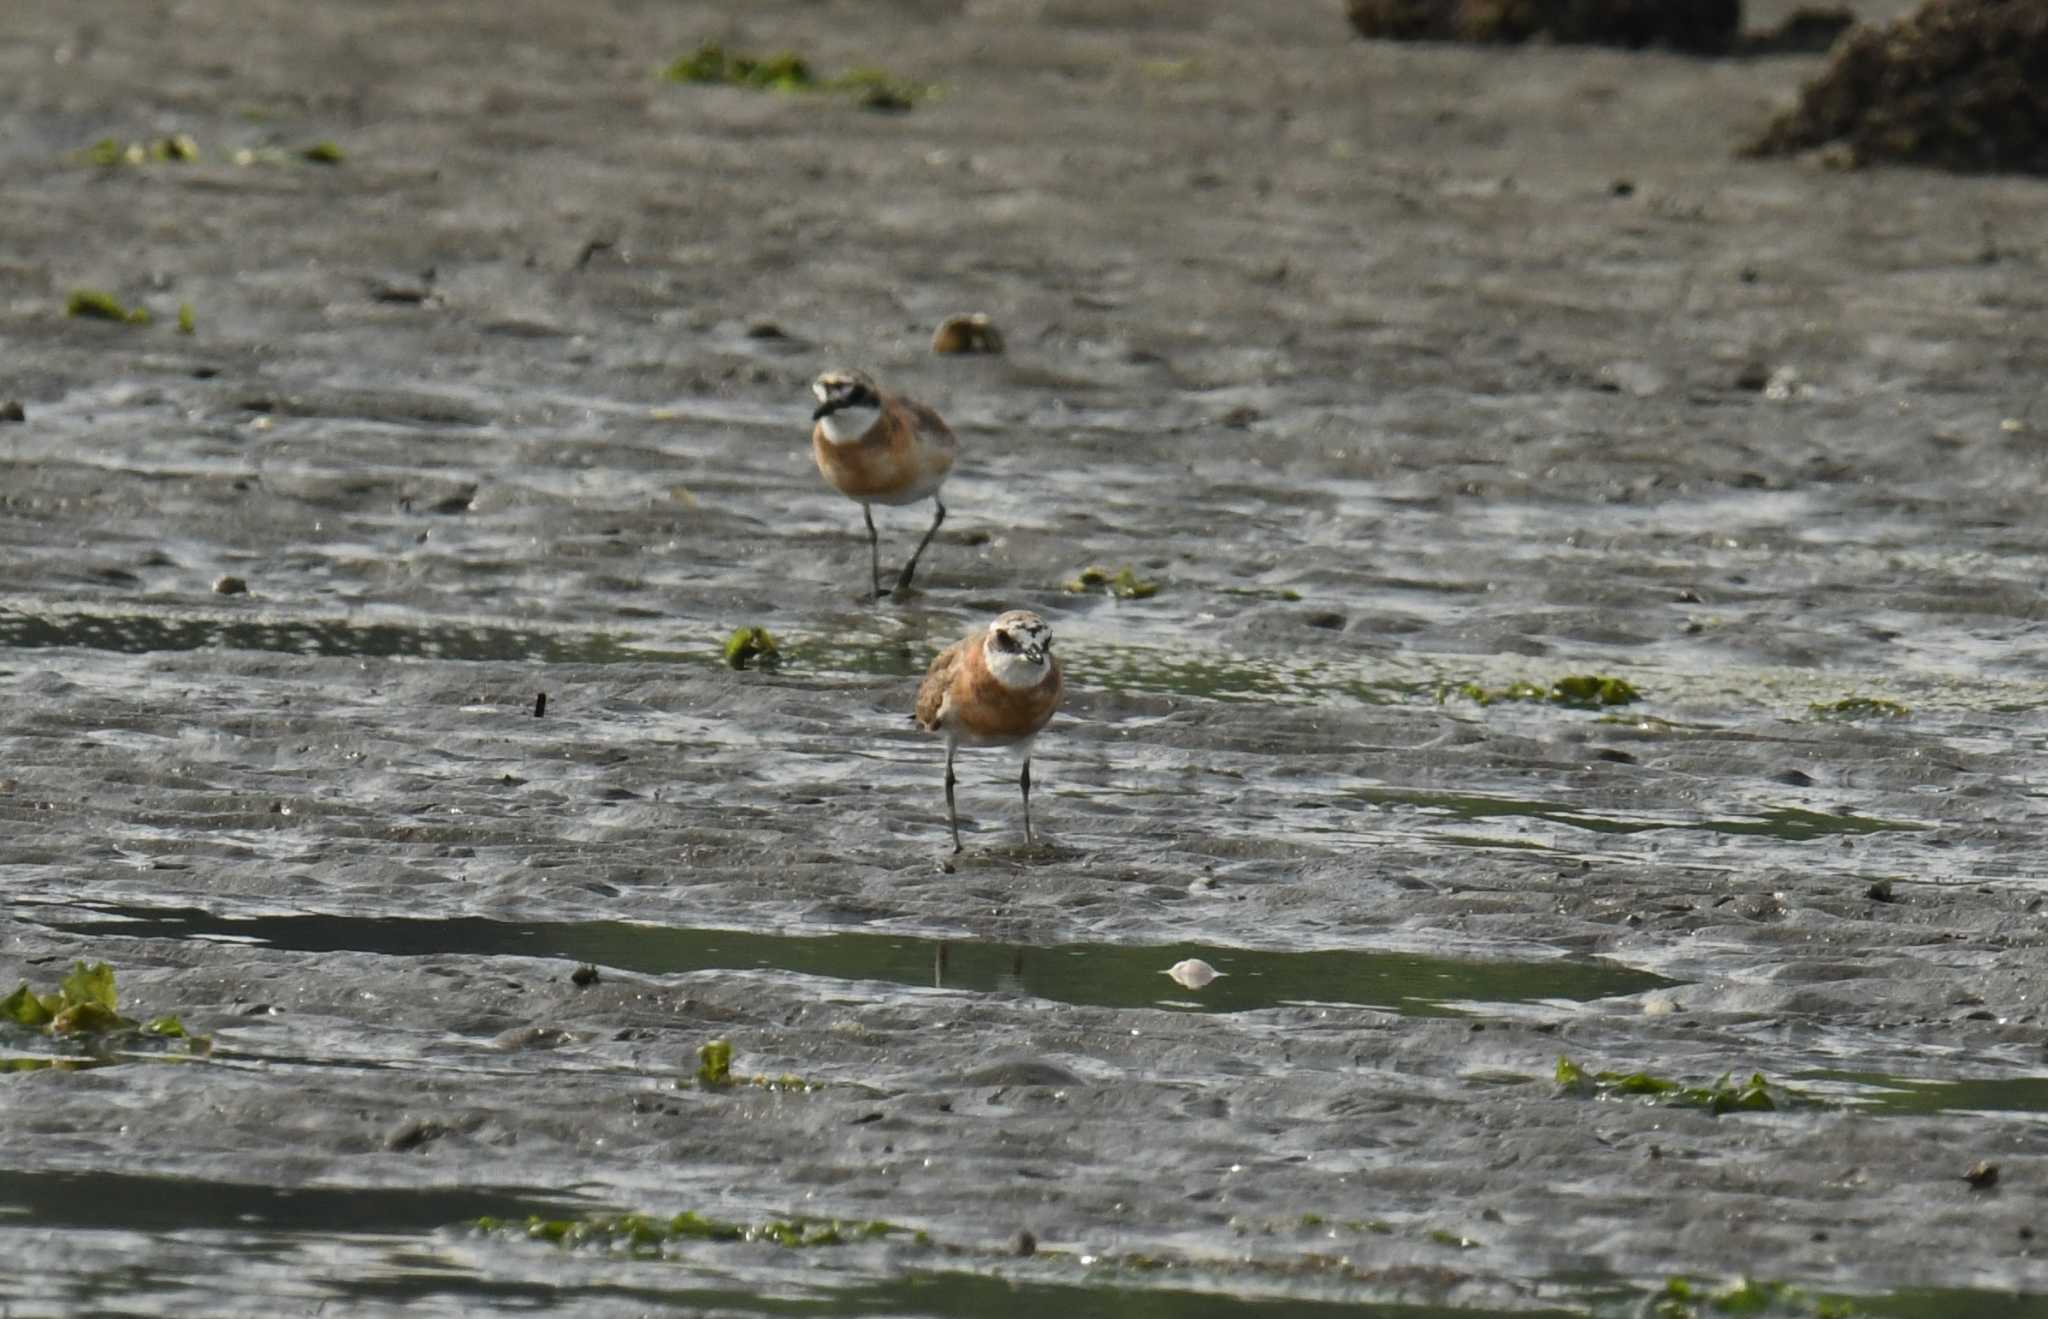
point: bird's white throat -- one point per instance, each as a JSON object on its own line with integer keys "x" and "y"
{"x": 1010, "y": 668}
{"x": 848, "y": 424}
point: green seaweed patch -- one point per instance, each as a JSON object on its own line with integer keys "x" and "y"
{"x": 874, "y": 89}
{"x": 188, "y": 320}
{"x": 111, "y": 151}
{"x": 86, "y": 1005}
{"x": 99, "y": 305}
{"x": 714, "y": 1063}
{"x": 713, "y": 63}
{"x": 1860, "y": 707}
{"x": 108, "y": 152}
{"x": 647, "y": 1235}
{"x": 1686, "y": 1298}
{"x": 1579, "y": 691}
{"x": 323, "y": 153}
{"x": 1724, "y": 1095}
{"x": 714, "y": 1072}
{"x": 749, "y": 644}
{"x": 1124, "y": 583}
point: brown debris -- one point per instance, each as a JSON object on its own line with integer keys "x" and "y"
{"x": 1959, "y": 84}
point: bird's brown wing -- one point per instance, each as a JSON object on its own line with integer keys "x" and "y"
{"x": 932, "y": 692}
{"x": 935, "y": 429}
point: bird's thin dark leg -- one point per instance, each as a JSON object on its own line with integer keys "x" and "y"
{"x": 952, "y": 814}
{"x": 903, "y": 581}
{"x": 1024, "y": 782}
{"x": 874, "y": 550}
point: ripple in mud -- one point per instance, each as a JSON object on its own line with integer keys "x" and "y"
{"x": 141, "y": 634}
{"x": 1099, "y": 975}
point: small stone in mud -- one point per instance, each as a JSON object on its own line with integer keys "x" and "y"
{"x": 1023, "y": 1244}
{"x": 584, "y": 976}
{"x": 230, "y": 586}
{"x": 1881, "y": 891}
{"x": 533, "y": 1037}
{"x": 1240, "y": 417}
{"x": 1330, "y": 622}
{"x": 1193, "y": 973}
{"x": 974, "y": 333}
{"x": 1794, "y": 778}
{"x": 765, "y": 330}
{"x": 405, "y": 293}
{"x": 413, "y": 1133}
{"x": 458, "y": 502}
{"x": 1982, "y": 1176}
{"x": 11, "y": 410}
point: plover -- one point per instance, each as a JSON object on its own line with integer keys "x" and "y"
{"x": 880, "y": 448}
{"x": 995, "y": 688}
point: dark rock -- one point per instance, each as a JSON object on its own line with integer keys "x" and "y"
{"x": 1959, "y": 84}
{"x": 1807, "y": 30}
{"x": 1704, "y": 26}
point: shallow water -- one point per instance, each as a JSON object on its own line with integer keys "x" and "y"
{"x": 1101, "y": 975}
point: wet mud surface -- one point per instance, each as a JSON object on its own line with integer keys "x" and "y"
{"x": 1398, "y": 368}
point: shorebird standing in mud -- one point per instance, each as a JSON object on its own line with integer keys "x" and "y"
{"x": 879, "y": 448}
{"x": 996, "y": 688}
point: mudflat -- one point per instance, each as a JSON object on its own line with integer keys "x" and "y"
{"x": 1388, "y": 386}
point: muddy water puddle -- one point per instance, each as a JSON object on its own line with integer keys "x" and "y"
{"x": 138, "y": 1202}
{"x": 1097, "y": 975}
{"x": 1907, "y": 1096}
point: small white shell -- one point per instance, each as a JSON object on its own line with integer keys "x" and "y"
{"x": 1192, "y": 974}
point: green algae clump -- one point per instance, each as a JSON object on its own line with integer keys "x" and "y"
{"x": 86, "y": 1005}
{"x": 714, "y": 1063}
{"x": 646, "y": 1235}
{"x": 748, "y": 644}
{"x": 1683, "y": 1298}
{"x": 712, "y": 63}
{"x": 1860, "y": 707}
{"x": 98, "y": 305}
{"x": 1724, "y": 1095}
{"x": 1124, "y": 583}
{"x": 1579, "y": 691}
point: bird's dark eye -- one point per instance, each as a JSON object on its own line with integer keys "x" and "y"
{"x": 1005, "y": 642}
